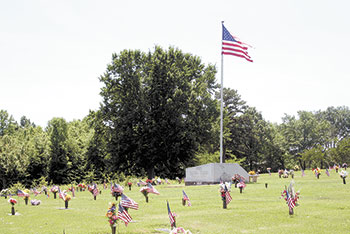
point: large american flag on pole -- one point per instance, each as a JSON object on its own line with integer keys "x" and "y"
{"x": 171, "y": 216}
{"x": 129, "y": 203}
{"x": 232, "y": 46}
{"x": 123, "y": 215}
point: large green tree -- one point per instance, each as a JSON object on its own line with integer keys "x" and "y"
{"x": 159, "y": 108}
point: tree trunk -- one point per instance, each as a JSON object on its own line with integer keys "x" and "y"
{"x": 95, "y": 198}
{"x": 240, "y": 189}
{"x": 183, "y": 202}
{"x": 266, "y": 185}
{"x": 150, "y": 172}
{"x": 344, "y": 182}
{"x": 13, "y": 210}
{"x": 54, "y": 195}
{"x": 66, "y": 204}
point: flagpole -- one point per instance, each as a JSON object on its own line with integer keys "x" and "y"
{"x": 221, "y": 98}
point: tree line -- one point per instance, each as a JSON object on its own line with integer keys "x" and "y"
{"x": 160, "y": 114}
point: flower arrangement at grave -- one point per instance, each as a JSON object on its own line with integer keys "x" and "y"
{"x": 291, "y": 197}
{"x": 117, "y": 191}
{"x": 5, "y": 193}
{"x": 317, "y": 172}
{"x": 280, "y": 172}
{"x": 285, "y": 173}
{"x": 54, "y": 190}
{"x": 291, "y": 172}
{"x": 235, "y": 179}
{"x": 180, "y": 230}
{"x": 13, "y": 202}
{"x": 24, "y": 194}
{"x": 149, "y": 181}
{"x": 65, "y": 197}
{"x": 251, "y": 173}
{"x": 44, "y": 189}
{"x": 336, "y": 167}
{"x": 225, "y": 195}
{"x": 35, "y": 202}
{"x": 129, "y": 185}
{"x": 241, "y": 185}
{"x": 148, "y": 189}
{"x": 343, "y": 174}
{"x": 112, "y": 216}
{"x": 93, "y": 190}
{"x": 82, "y": 187}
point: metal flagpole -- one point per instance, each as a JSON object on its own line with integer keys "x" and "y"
{"x": 222, "y": 105}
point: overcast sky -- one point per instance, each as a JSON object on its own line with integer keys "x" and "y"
{"x": 52, "y": 52}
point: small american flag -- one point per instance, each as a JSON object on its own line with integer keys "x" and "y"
{"x": 151, "y": 189}
{"x": 185, "y": 197}
{"x": 36, "y": 192}
{"x": 227, "y": 196}
{"x": 142, "y": 182}
{"x": 20, "y": 193}
{"x": 129, "y": 203}
{"x": 95, "y": 190}
{"x": 62, "y": 194}
{"x": 290, "y": 201}
{"x": 232, "y": 46}
{"x": 123, "y": 215}
{"x": 117, "y": 188}
{"x": 171, "y": 216}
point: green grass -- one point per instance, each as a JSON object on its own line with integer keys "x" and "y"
{"x": 324, "y": 208}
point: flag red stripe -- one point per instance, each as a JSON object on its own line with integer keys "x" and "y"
{"x": 238, "y": 55}
{"x": 232, "y": 44}
{"x": 235, "y": 50}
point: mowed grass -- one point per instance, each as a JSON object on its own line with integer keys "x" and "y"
{"x": 324, "y": 208}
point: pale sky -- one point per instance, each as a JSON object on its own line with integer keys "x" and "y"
{"x": 52, "y": 52}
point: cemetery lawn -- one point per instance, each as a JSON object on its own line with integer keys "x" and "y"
{"x": 324, "y": 208}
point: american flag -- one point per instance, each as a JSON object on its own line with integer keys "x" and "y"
{"x": 290, "y": 201}
{"x": 62, "y": 194}
{"x": 327, "y": 172}
{"x": 129, "y": 203}
{"x": 20, "y": 193}
{"x": 171, "y": 216}
{"x": 142, "y": 182}
{"x": 185, "y": 197}
{"x": 36, "y": 192}
{"x": 123, "y": 215}
{"x": 151, "y": 189}
{"x": 232, "y": 46}
{"x": 95, "y": 190}
{"x": 117, "y": 188}
{"x": 227, "y": 196}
